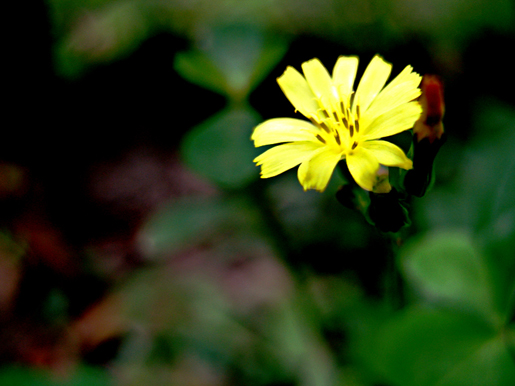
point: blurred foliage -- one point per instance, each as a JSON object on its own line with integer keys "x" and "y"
{"x": 460, "y": 337}
{"x": 179, "y": 266}
{"x": 94, "y": 31}
{"x": 226, "y": 154}
{"x": 83, "y": 376}
{"x": 232, "y": 60}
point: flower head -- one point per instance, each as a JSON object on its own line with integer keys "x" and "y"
{"x": 343, "y": 124}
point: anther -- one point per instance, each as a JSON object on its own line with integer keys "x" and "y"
{"x": 335, "y": 116}
{"x": 345, "y": 122}
{"x": 357, "y": 111}
{"x": 354, "y": 145}
{"x": 324, "y": 126}
{"x": 356, "y": 123}
{"x": 351, "y": 129}
{"x": 337, "y": 137}
{"x": 320, "y": 138}
{"x": 326, "y": 114}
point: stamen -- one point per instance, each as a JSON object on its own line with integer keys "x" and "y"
{"x": 335, "y": 116}
{"x": 351, "y": 129}
{"x": 314, "y": 121}
{"x": 342, "y": 107}
{"x": 356, "y": 123}
{"x": 345, "y": 122}
{"x": 352, "y": 98}
{"x": 354, "y": 145}
{"x": 326, "y": 114}
{"x": 337, "y": 137}
{"x": 357, "y": 111}
{"x": 320, "y": 138}
{"x": 325, "y": 127}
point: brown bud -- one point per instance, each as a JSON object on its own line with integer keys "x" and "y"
{"x": 430, "y": 125}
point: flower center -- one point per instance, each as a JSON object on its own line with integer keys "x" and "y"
{"x": 338, "y": 123}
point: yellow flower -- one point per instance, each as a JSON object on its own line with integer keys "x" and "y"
{"x": 344, "y": 124}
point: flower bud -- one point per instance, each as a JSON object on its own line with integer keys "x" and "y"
{"x": 428, "y": 137}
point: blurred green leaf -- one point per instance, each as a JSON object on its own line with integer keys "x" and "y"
{"x": 433, "y": 347}
{"x": 232, "y": 59}
{"x": 26, "y": 376}
{"x": 448, "y": 270}
{"x": 191, "y": 221}
{"x": 495, "y": 126}
{"x": 296, "y": 345}
{"x": 483, "y": 187}
{"x": 220, "y": 148}
{"x": 504, "y": 199}
{"x": 110, "y": 32}
{"x": 499, "y": 239}
{"x": 272, "y": 51}
{"x": 196, "y": 67}
{"x": 451, "y": 22}
{"x": 509, "y": 335}
{"x": 482, "y": 196}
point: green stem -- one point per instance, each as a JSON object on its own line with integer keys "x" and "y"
{"x": 394, "y": 285}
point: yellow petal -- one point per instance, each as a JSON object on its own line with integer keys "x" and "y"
{"x": 319, "y": 80}
{"x": 279, "y": 130}
{"x": 315, "y": 172}
{"x": 344, "y": 74}
{"x": 297, "y": 90}
{"x": 388, "y": 154}
{"x": 373, "y": 80}
{"x": 280, "y": 158}
{"x": 403, "y": 89}
{"x": 395, "y": 121}
{"x": 363, "y": 167}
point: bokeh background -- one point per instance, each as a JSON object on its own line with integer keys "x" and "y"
{"x": 138, "y": 245}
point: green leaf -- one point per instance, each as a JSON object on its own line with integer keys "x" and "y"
{"x": 232, "y": 59}
{"x": 509, "y": 335}
{"x": 438, "y": 348}
{"x": 483, "y": 186}
{"x": 453, "y": 22}
{"x": 26, "y": 376}
{"x": 448, "y": 270}
{"x": 294, "y": 343}
{"x": 220, "y": 148}
{"x": 106, "y": 34}
{"x": 273, "y": 48}
{"x": 197, "y": 68}
{"x": 190, "y": 221}
{"x": 500, "y": 244}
